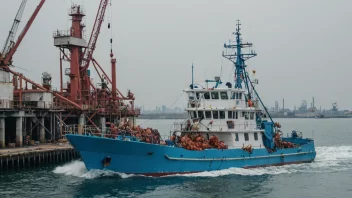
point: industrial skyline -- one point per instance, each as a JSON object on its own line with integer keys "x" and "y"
{"x": 276, "y": 107}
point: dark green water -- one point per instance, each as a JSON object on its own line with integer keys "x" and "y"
{"x": 329, "y": 176}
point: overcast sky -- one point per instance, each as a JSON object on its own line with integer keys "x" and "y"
{"x": 304, "y": 47}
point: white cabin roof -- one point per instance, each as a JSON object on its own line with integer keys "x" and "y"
{"x": 214, "y": 89}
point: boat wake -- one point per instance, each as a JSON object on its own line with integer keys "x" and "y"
{"x": 328, "y": 159}
{"x": 78, "y": 169}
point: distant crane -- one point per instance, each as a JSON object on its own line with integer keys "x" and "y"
{"x": 10, "y": 41}
{"x": 4, "y": 62}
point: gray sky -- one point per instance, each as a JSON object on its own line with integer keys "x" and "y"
{"x": 304, "y": 47}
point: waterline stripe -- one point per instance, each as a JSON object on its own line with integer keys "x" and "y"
{"x": 238, "y": 158}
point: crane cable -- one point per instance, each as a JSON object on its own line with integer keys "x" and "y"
{"x": 109, "y": 25}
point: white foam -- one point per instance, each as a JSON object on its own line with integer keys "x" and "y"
{"x": 74, "y": 168}
{"x": 78, "y": 169}
{"x": 328, "y": 159}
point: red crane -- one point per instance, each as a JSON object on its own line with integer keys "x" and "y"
{"x": 5, "y": 62}
{"x": 88, "y": 52}
{"x": 12, "y": 51}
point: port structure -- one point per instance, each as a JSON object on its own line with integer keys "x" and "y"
{"x": 42, "y": 113}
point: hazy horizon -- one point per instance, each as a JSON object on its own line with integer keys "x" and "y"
{"x": 303, "y": 46}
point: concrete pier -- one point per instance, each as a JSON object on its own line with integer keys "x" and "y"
{"x": 81, "y": 122}
{"x": 2, "y": 132}
{"x": 42, "y": 131}
{"x": 19, "y": 132}
{"x": 103, "y": 124}
{"x": 43, "y": 154}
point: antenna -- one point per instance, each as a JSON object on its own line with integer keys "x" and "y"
{"x": 192, "y": 76}
{"x": 238, "y": 29}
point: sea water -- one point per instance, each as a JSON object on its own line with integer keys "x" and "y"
{"x": 330, "y": 175}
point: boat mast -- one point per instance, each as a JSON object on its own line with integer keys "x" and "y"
{"x": 192, "y": 77}
{"x": 239, "y": 58}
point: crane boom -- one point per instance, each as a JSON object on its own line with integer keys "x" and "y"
{"x": 23, "y": 33}
{"x": 88, "y": 52}
{"x": 11, "y": 37}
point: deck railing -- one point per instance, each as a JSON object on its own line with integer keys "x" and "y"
{"x": 182, "y": 126}
{"x": 61, "y": 33}
{"x": 193, "y": 103}
{"x": 61, "y": 105}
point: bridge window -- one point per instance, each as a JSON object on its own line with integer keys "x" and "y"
{"x": 224, "y": 96}
{"x": 194, "y": 114}
{"x": 232, "y": 114}
{"x": 215, "y": 95}
{"x": 256, "y": 136}
{"x": 200, "y": 114}
{"x": 235, "y": 114}
{"x": 222, "y": 114}
{"x": 234, "y": 95}
{"x": 191, "y": 96}
{"x": 252, "y": 115}
{"x": 245, "y": 115}
{"x": 197, "y": 94}
{"x": 215, "y": 114}
{"x": 208, "y": 114}
{"x": 236, "y": 137}
{"x": 207, "y": 95}
{"x": 246, "y": 138}
{"x": 229, "y": 115}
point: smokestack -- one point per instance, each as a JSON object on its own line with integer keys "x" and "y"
{"x": 113, "y": 77}
{"x": 283, "y": 104}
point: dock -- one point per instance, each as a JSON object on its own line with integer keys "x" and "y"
{"x": 35, "y": 156}
{"x": 37, "y": 113}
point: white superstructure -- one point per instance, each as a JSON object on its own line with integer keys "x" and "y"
{"x": 224, "y": 112}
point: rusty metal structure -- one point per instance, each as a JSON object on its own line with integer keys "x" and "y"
{"x": 43, "y": 113}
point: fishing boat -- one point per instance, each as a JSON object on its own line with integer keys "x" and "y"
{"x": 228, "y": 127}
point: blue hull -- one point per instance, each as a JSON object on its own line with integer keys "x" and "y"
{"x": 151, "y": 159}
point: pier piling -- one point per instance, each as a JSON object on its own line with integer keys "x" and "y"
{"x": 35, "y": 156}
{"x": 2, "y": 132}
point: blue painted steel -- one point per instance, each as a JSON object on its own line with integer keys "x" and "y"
{"x": 142, "y": 158}
{"x": 218, "y": 82}
{"x": 268, "y": 134}
{"x": 239, "y": 58}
